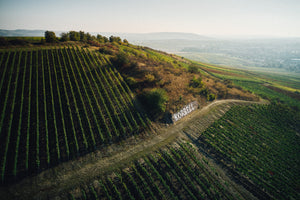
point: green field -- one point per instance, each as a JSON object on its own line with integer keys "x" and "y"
{"x": 170, "y": 173}
{"x": 57, "y": 104}
{"x": 262, "y": 143}
{"x": 258, "y": 145}
{"x": 257, "y": 82}
{"x": 66, "y": 111}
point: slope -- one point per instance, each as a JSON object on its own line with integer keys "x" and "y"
{"x": 57, "y": 104}
{"x": 60, "y": 179}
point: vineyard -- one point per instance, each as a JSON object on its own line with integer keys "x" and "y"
{"x": 267, "y": 93}
{"x": 174, "y": 172}
{"x": 57, "y": 104}
{"x": 274, "y": 87}
{"x": 73, "y": 125}
{"x": 261, "y": 143}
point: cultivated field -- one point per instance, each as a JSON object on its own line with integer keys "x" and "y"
{"x": 57, "y": 104}
{"x": 70, "y": 120}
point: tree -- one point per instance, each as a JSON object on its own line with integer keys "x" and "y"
{"x": 105, "y": 39}
{"x": 89, "y": 36}
{"x": 125, "y": 41}
{"x": 101, "y": 39}
{"x": 64, "y": 37}
{"x": 83, "y": 36}
{"x": 74, "y": 36}
{"x": 115, "y": 39}
{"x": 50, "y": 37}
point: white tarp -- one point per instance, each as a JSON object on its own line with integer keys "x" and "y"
{"x": 185, "y": 111}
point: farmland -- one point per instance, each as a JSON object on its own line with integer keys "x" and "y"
{"x": 283, "y": 88}
{"x": 174, "y": 172}
{"x": 57, "y": 104}
{"x": 261, "y": 143}
{"x": 72, "y": 126}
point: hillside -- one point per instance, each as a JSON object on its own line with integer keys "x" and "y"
{"x": 60, "y": 103}
{"x": 182, "y": 79}
{"x": 92, "y": 119}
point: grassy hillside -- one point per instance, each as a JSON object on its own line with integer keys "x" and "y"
{"x": 145, "y": 69}
{"x": 280, "y": 88}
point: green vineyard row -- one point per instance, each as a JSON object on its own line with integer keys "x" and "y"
{"x": 171, "y": 173}
{"x": 262, "y": 143}
{"x": 56, "y": 104}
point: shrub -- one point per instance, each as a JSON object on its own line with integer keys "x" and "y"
{"x": 149, "y": 78}
{"x": 106, "y": 50}
{"x": 193, "y": 69}
{"x": 154, "y": 101}
{"x": 125, "y": 41}
{"x": 211, "y": 97}
{"x": 121, "y": 59}
{"x": 3, "y": 41}
{"x": 196, "y": 83}
{"x": 204, "y": 91}
{"x": 93, "y": 43}
{"x": 18, "y": 42}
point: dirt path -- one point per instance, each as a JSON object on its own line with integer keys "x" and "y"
{"x": 69, "y": 174}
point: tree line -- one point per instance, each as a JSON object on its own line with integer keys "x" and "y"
{"x": 81, "y": 36}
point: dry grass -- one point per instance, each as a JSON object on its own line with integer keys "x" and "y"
{"x": 175, "y": 80}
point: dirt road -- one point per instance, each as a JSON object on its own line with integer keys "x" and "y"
{"x": 69, "y": 174}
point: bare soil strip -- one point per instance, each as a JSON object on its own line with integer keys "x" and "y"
{"x": 67, "y": 175}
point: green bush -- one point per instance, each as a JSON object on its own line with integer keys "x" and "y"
{"x": 193, "y": 69}
{"x": 196, "y": 83}
{"x": 64, "y": 37}
{"x": 106, "y": 50}
{"x": 121, "y": 59}
{"x": 74, "y": 36}
{"x": 154, "y": 101}
{"x": 149, "y": 78}
{"x": 115, "y": 39}
{"x": 211, "y": 97}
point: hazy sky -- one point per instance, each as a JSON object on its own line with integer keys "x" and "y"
{"x": 205, "y": 17}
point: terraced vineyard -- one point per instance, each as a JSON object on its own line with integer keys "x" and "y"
{"x": 175, "y": 172}
{"x": 57, "y": 104}
{"x": 262, "y": 143}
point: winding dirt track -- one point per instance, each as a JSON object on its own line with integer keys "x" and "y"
{"x": 69, "y": 174}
